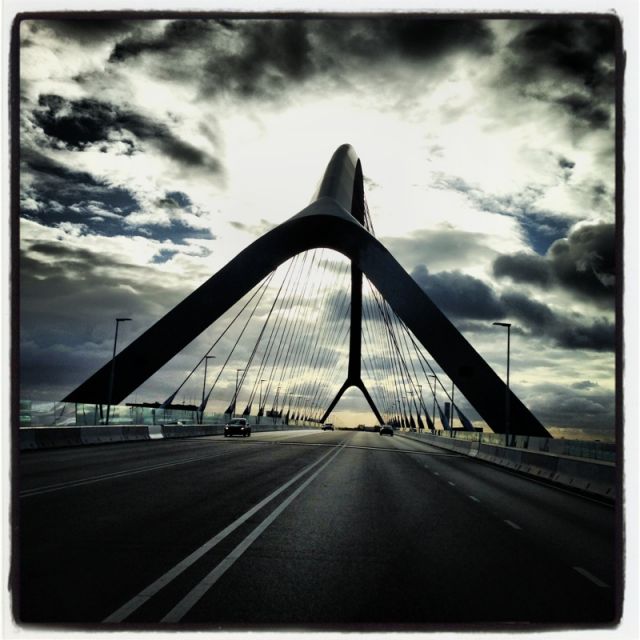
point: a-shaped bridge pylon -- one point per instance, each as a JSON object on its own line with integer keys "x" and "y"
{"x": 334, "y": 220}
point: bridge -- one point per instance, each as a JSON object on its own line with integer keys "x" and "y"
{"x": 164, "y": 521}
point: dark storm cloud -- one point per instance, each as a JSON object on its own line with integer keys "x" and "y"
{"x": 86, "y": 31}
{"x": 58, "y": 194}
{"x": 50, "y": 273}
{"x": 569, "y": 332}
{"x": 523, "y": 267}
{"x": 261, "y": 57}
{"x": 458, "y": 294}
{"x": 439, "y": 247}
{"x": 541, "y": 228}
{"x": 591, "y": 407}
{"x": 77, "y": 124}
{"x": 583, "y": 108}
{"x": 68, "y": 299}
{"x": 570, "y": 52}
{"x": 64, "y": 195}
{"x": 465, "y": 300}
{"x": 583, "y": 263}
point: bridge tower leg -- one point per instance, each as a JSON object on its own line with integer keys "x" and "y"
{"x": 354, "y": 375}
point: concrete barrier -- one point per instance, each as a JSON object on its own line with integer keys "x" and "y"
{"x": 27, "y": 439}
{"x": 135, "y": 432}
{"x": 155, "y": 432}
{"x": 545, "y": 462}
{"x": 100, "y": 435}
{"x": 57, "y": 437}
{"x": 30, "y": 438}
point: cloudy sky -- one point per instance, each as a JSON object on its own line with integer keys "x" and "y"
{"x": 152, "y": 151}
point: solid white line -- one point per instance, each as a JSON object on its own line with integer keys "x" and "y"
{"x": 137, "y": 601}
{"x": 590, "y": 576}
{"x": 513, "y": 524}
{"x": 27, "y": 493}
{"x": 474, "y": 499}
{"x": 188, "y": 602}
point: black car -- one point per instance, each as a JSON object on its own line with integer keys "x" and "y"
{"x": 386, "y": 428}
{"x": 237, "y": 427}
{"x": 327, "y": 427}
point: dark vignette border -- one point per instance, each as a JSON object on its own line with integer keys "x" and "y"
{"x": 14, "y": 287}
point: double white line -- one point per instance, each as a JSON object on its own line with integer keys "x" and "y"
{"x": 178, "y": 612}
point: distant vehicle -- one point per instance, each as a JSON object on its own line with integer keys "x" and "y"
{"x": 386, "y": 428}
{"x": 237, "y": 427}
{"x": 327, "y": 427}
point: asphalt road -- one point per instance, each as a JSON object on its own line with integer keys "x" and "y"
{"x": 303, "y": 530}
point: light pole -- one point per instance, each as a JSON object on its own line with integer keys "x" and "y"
{"x": 113, "y": 365}
{"x": 235, "y": 397}
{"x": 260, "y": 411}
{"x": 421, "y": 403}
{"x": 433, "y": 375}
{"x": 506, "y": 397}
{"x": 204, "y": 386}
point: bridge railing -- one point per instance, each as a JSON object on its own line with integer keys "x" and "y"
{"x": 591, "y": 449}
{"x": 68, "y": 414}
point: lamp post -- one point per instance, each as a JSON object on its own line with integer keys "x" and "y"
{"x": 113, "y": 366}
{"x": 204, "y": 386}
{"x": 235, "y": 397}
{"x": 433, "y": 375}
{"x": 506, "y": 397}
{"x": 421, "y": 403}
{"x": 260, "y": 403}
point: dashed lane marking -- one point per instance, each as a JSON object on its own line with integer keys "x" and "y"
{"x": 513, "y": 525}
{"x": 475, "y": 499}
{"x": 27, "y": 493}
{"x": 591, "y": 577}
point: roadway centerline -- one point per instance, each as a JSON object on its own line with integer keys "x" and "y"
{"x": 146, "y": 594}
{"x": 189, "y": 601}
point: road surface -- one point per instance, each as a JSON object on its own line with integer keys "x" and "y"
{"x": 303, "y": 530}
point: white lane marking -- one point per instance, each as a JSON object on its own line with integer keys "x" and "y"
{"x": 435, "y": 473}
{"x": 137, "y": 601}
{"x": 27, "y": 493}
{"x": 590, "y": 576}
{"x": 188, "y": 602}
{"x": 474, "y": 499}
{"x": 453, "y": 484}
{"x": 513, "y": 524}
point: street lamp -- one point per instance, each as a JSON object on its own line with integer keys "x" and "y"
{"x": 113, "y": 366}
{"x": 204, "y": 385}
{"x": 506, "y": 397}
{"x": 235, "y": 397}
{"x": 433, "y": 375}
{"x": 260, "y": 403}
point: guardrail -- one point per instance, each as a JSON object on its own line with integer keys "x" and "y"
{"x": 591, "y": 476}
{"x": 55, "y": 437}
